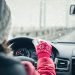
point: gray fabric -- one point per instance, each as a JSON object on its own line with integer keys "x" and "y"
{"x": 10, "y": 66}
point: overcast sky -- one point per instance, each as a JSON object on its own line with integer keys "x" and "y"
{"x": 26, "y": 13}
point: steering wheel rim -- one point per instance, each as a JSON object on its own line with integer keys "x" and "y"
{"x": 24, "y": 58}
{"x": 21, "y": 58}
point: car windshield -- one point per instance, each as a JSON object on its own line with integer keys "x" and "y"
{"x": 47, "y": 19}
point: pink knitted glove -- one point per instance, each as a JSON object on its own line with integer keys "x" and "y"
{"x": 43, "y": 48}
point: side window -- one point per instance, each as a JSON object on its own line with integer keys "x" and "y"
{"x": 72, "y": 10}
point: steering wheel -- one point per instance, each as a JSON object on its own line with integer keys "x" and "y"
{"x": 13, "y": 44}
{"x": 23, "y": 42}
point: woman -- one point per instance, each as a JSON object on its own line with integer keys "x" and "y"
{"x": 45, "y": 65}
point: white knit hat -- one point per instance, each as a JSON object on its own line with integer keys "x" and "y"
{"x": 5, "y": 17}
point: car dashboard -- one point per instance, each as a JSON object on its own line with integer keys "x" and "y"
{"x": 62, "y": 54}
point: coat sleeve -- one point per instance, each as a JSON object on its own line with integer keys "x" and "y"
{"x": 45, "y": 66}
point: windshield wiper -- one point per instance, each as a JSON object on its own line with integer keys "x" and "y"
{"x": 63, "y": 42}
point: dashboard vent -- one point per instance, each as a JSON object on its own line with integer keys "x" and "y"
{"x": 73, "y": 66}
{"x": 62, "y": 64}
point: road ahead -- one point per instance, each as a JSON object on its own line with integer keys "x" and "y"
{"x": 70, "y": 37}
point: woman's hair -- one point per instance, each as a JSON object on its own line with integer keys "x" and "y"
{"x": 4, "y": 48}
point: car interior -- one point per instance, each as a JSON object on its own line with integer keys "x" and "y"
{"x": 62, "y": 54}
{"x": 46, "y": 19}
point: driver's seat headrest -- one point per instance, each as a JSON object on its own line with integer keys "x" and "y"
{"x": 10, "y": 66}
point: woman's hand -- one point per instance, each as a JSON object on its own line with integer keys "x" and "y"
{"x": 43, "y": 48}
